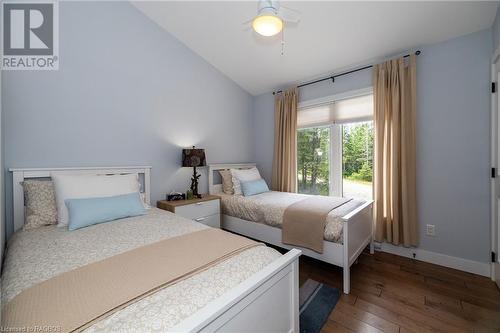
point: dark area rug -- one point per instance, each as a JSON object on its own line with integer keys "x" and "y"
{"x": 317, "y": 301}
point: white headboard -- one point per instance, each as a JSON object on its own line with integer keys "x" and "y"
{"x": 18, "y": 175}
{"x": 217, "y": 188}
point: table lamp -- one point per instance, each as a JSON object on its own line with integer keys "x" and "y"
{"x": 193, "y": 157}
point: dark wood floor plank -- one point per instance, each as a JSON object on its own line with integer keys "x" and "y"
{"x": 411, "y": 289}
{"x": 401, "y": 320}
{"x": 439, "y": 293}
{"x": 485, "y": 330}
{"x": 387, "y": 282}
{"x": 410, "y": 309}
{"x": 485, "y": 293}
{"x": 436, "y": 286}
{"x": 454, "y": 319}
{"x": 366, "y": 285}
{"x": 367, "y": 317}
{"x": 347, "y": 320}
{"x": 393, "y": 269}
{"x": 445, "y": 274}
{"x": 397, "y": 294}
{"x": 443, "y": 302}
{"x": 348, "y": 298}
{"x": 489, "y": 301}
{"x": 483, "y": 316}
{"x": 432, "y": 269}
{"x": 334, "y": 327}
{"x": 489, "y": 286}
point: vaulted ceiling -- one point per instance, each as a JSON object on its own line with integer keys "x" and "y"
{"x": 330, "y": 36}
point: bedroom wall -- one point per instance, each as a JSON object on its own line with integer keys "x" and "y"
{"x": 496, "y": 31}
{"x": 453, "y": 125}
{"x": 126, "y": 93}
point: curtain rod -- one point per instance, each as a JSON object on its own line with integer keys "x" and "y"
{"x": 338, "y": 75}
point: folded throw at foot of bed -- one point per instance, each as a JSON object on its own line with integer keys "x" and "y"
{"x": 304, "y": 221}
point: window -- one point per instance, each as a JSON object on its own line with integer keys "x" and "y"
{"x": 313, "y": 167}
{"x": 357, "y": 160}
{"x": 335, "y": 148}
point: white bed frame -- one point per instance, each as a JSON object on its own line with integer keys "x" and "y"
{"x": 357, "y": 230}
{"x": 19, "y": 175}
{"x": 268, "y": 301}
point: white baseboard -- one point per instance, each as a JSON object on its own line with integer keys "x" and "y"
{"x": 466, "y": 265}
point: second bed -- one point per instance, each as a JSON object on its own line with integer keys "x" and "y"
{"x": 348, "y": 228}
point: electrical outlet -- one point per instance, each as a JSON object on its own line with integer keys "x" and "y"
{"x": 431, "y": 230}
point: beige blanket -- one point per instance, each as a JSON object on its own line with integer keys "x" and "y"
{"x": 304, "y": 221}
{"x": 73, "y": 300}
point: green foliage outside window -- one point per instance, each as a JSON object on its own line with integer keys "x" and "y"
{"x": 357, "y": 151}
{"x": 313, "y": 150}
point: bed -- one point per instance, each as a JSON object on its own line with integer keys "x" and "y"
{"x": 233, "y": 295}
{"x": 348, "y": 229}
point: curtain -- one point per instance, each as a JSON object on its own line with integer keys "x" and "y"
{"x": 284, "y": 176}
{"x": 395, "y": 206}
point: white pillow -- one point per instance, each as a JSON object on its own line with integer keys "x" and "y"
{"x": 243, "y": 175}
{"x": 90, "y": 186}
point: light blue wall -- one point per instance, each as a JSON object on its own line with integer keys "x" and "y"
{"x": 453, "y": 147}
{"x": 496, "y": 30}
{"x": 126, "y": 93}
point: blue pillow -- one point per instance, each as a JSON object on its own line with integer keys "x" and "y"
{"x": 254, "y": 187}
{"x": 90, "y": 211}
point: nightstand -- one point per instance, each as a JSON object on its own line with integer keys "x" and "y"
{"x": 205, "y": 210}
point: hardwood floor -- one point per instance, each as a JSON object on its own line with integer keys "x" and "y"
{"x": 395, "y": 294}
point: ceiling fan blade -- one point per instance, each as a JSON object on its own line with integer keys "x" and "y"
{"x": 289, "y": 15}
{"x": 247, "y": 22}
{"x": 247, "y": 25}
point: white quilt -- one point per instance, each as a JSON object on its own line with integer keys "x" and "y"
{"x": 36, "y": 255}
{"x": 269, "y": 207}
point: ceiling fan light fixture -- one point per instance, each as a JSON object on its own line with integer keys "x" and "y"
{"x": 267, "y": 25}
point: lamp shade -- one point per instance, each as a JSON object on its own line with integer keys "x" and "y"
{"x": 193, "y": 157}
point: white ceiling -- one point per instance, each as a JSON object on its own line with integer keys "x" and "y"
{"x": 330, "y": 36}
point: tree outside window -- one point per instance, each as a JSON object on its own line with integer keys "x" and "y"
{"x": 314, "y": 163}
{"x": 313, "y": 167}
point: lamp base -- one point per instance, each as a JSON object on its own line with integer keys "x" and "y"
{"x": 194, "y": 183}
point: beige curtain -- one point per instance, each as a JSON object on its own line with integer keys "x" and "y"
{"x": 285, "y": 141}
{"x": 395, "y": 211}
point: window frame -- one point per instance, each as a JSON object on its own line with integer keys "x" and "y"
{"x": 336, "y": 137}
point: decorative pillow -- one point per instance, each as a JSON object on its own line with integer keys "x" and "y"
{"x": 90, "y": 211}
{"x": 90, "y": 186}
{"x": 227, "y": 181}
{"x": 40, "y": 203}
{"x": 243, "y": 175}
{"x": 254, "y": 187}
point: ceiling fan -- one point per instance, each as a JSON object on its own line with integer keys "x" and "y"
{"x": 271, "y": 17}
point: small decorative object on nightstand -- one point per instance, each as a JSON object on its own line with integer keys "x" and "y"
{"x": 205, "y": 210}
{"x": 194, "y": 158}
